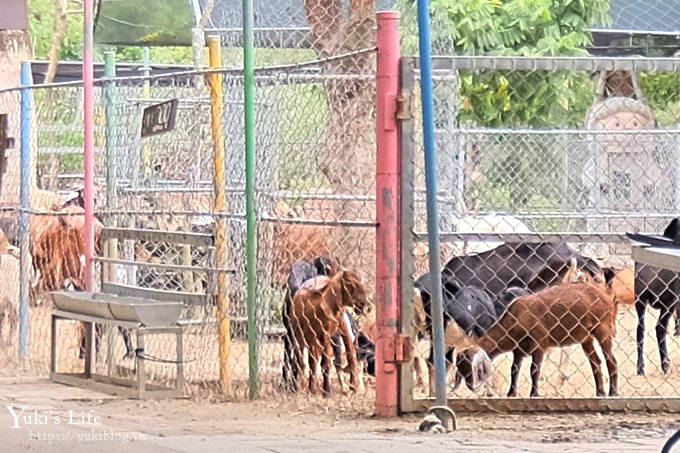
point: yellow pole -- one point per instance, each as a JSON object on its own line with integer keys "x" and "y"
{"x": 220, "y": 185}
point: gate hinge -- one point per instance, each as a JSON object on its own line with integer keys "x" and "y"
{"x": 403, "y": 107}
{"x": 397, "y": 349}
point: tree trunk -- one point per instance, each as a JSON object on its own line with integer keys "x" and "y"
{"x": 347, "y": 157}
{"x": 60, "y": 27}
{"x": 15, "y": 47}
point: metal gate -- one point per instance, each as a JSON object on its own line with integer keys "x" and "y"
{"x": 524, "y": 173}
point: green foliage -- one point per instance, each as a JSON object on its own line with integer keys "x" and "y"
{"x": 661, "y": 90}
{"x": 516, "y": 170}
{"x": 516, "y": 27}
{"x": 149, "y": 22}
{"x": 41, "y": 29}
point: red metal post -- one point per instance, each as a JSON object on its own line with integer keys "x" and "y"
{"x": 388, "y": 179}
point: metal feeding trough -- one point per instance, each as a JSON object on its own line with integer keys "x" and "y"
{"x": 150, "y": 313}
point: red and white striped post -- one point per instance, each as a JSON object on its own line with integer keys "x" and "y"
{"x": 388, "y": 206}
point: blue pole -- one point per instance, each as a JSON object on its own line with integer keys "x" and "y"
{"x": 431, "y": 189}
{"x": 25, "y": 257}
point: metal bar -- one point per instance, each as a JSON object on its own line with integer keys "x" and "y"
{"x": 217, "y": 129}
{"x": 88, "y": 148}
{"x": 590, "y": 64}
{"x": 175, "y": 267}
{"x": 661, "y": 257}
{"x": 155, "y": 294}
{"x": 407, "y": 147}
{"x": 53, "y": 344}
{"x": 111, "y": 246}
{"x": 176, "y": 237}
{"x": 551, "y": 132}
{"x": 432, "y": 210}
{"x": 530, "y": 237}
{"x": 525, "y": 405}
{"x": 141, "y": 369}
{"x": 387, "y": 214}
{"x": 251, "y": 227}
{"x": 285, "y": 68}
{"x": 326, "y": 223}
{"x": 24, "y": 221}
{"x": 114, "y": 386}
{"x": 179, "y": 346}
{"x": 63, "y": 149}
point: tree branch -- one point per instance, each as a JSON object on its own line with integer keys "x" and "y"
{"x": 60, "y": 26}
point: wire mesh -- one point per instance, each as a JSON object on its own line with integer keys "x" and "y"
{"x": 536, "y": 167}
{"x": 314, "y": 197}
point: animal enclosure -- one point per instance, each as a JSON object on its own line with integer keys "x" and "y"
{"x": 544, "y": 163}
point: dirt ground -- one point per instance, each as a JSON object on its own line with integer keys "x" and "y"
{"x": 112, "y": 424}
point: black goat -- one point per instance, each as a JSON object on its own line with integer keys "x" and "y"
{"x": 478, "y": 288}
{"x": 660, "y": 289}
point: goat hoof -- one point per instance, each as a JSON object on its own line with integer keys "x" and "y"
{"x": 640, "y": 371}
{"x": 665, "y": 366}
{"x": 512, "y": 394}
{"x": 600, "y": 394}
{"x": 534, "y": 395}
{"x": 613, "y": 394}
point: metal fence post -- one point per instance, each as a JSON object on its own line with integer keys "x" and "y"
{"x": 111, "y": 158}
{"x": 24, "y": 222}
{"x": 220, "y": 187}
{"x": 432, "y": 210}
{"x": 110, "y": 271}
{"x": 251, "y": 227}
{"x": 388, "y": 216}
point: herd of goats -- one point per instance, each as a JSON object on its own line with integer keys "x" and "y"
{"x": 524, "y": 298}
{"x": 519, "y": 297}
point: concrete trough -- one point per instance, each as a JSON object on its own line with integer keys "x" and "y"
{"x": 149, "y": 313}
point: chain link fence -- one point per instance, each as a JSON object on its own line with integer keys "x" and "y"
{"x": 314, "y": 195}
{"x": 541, "y": 160}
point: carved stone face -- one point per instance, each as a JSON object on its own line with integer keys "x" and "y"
{"x": 623, "y": 120}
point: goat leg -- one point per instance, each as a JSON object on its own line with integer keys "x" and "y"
{"x": 595, "y": 364}
{"x": 661, "y": 331}
{"x": 129, "y": 352}
{"x": 517, "y": 358}
{"x": 325, "y": 370}
{"x": 287, "y": 370}
{"x": 612, "y": 367}
{"x": 351, "y": 354}
{"x": 536, "y": 361}
{"x": 640, "y": 308}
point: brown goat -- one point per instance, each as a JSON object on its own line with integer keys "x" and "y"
{"x": 558, "y": 316}
{"x": 316, "y": 314}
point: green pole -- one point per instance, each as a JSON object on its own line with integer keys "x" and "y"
{"x": 109, "y": 109}
{"x": 251, "y": 233}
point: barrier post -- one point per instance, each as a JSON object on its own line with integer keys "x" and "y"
{"x": 388, "y": 207}
{"x": 220, "y": 189}
{"x": 251, "y": 227}
{"x": 24, "y": 219}
{"x": 426, "y": 92}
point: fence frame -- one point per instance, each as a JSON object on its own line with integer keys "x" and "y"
{"x": 407, "y": 121}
